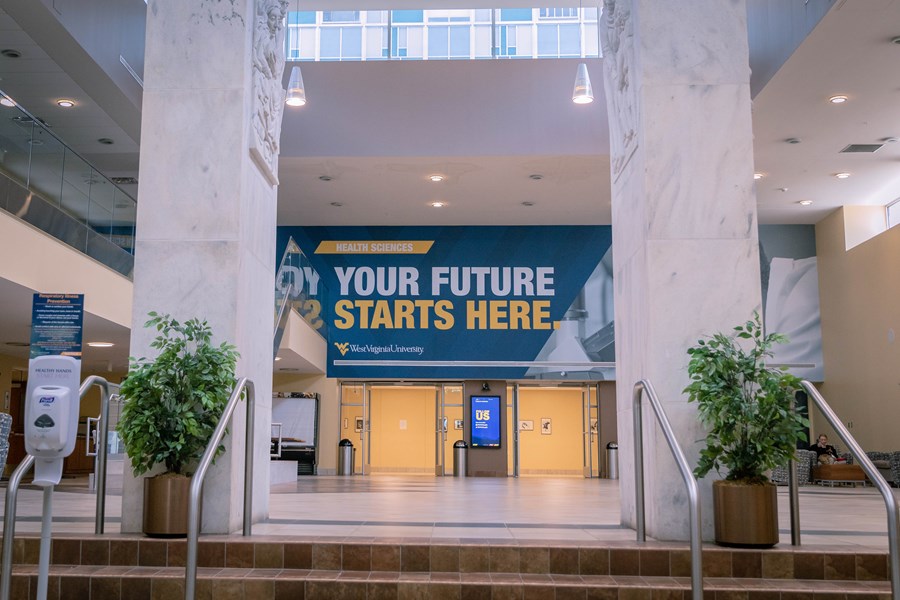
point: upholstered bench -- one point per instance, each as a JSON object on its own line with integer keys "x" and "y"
{"x": 838, "y": 473}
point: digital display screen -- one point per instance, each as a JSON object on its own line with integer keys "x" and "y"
{"x": 485, "y": 422}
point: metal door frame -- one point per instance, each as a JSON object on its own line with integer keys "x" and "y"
{"x": 442, "y": 424}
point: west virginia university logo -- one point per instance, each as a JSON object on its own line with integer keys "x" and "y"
{"x": 343, "y": 348}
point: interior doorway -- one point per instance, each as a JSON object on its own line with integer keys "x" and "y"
{"x": 551, "y": 429}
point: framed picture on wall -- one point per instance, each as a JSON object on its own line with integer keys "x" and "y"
{"x": 359, "y": 424}
{"x": 526, "y": 425}
{"x": 546, "y": 426}
{"x": 594, "y": 425}
{"x": 457, "y": 424}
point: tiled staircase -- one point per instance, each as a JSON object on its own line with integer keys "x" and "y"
{"x": 264, "y": 568}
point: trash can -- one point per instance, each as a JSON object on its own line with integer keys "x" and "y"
{"x": 345, "y": 457}
{"x": 612, "y": 460}
{"x": 460, "y": 448}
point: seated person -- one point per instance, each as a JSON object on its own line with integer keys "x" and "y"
{"x": 825, "y": 452}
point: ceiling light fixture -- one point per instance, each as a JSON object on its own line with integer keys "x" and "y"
{"x": 758, "y": 175}
{"x": 583, "y": 93}
{"x": 842, "y": 175}
{"x": 7, "y": 101}
{"x": 10, "y": 53}
{"x": 839, "y": 99}
{"x": 296, "y": 92}
{"x": 793, "y": 140}
{"x": 528, "y": 203}
{"x": 536, "y": 176}
{"x": 436, "y": 178}
{"x": 325, "y": 178}
{"x": 438, "y": 204}
{"x": 805, "y": 202}
{"x": 277, "y": 358}
{"x": 106, "y": 141}
{"x": 896, "y": 40}
{"x": 65, "y": 103}
{"x": 337, "y": 203}
{"x": 100, "y": 344}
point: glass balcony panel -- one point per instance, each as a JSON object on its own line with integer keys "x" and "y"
{"x": 48, "y": 158}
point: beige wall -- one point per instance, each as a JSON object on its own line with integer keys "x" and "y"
{"x": 403, "y": 429}
{"x": 859, "y": 291}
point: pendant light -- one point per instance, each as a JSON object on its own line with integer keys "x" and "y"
{"x": 582, "y": 94}
{"x": 296, "y": 92}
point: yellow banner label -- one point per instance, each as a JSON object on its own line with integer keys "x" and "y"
{"x": 374, "y": 247}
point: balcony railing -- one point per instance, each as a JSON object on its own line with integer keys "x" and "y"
{"x": 45, "y": 183}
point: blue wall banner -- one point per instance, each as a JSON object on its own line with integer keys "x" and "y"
{"x": 56, "y": 324}
{"x": 460, "y": 302}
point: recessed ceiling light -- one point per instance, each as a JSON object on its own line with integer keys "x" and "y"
{"x": 895, "y": 40}
{"x": 438, "y": 204}
{"x": 536, "y": 176}
{"x": 277, "y": 358}
{"x": 436, "y": 178}
{"x": 758, "y": 175}
{"x": 805, "y": 202}
{"x": 842, "y": 175}
{"x": 337, "y": 203}
{"x": 528, "y": 203}
{"x": 101, "y": 344}
{"x": 840, "y": 99}
{"x": 793, "y": 140}
{"x": 10, "y": 53}
{"x": 8, "y": 102}
{"x": 65, "y": 103}
{"x": 325, "y": 177}
{"x": 106, "y": 141}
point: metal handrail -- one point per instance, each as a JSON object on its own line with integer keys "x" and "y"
{"x": 875, "y": 476}
{"x": 190, "y": 569}
{"x": 693, "y": 489}
{"x": 12, "y": 490}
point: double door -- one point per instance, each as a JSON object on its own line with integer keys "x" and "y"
{"x": 400, "y": 428}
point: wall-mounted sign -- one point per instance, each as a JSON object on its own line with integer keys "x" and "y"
{"x": 485, "y": 422}
{"x": 56, "y": 325}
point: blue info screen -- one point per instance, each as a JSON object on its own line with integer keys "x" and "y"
{"x": 485, "y": 422}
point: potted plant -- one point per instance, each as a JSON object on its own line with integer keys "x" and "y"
{"x": 172, "y": 404}
{"x": 746, "y": 408}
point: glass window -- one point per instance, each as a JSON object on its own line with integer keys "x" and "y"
{"x": 570, "y": 40}
{"x": 306, "y": 17}
{"x": 408, "y": 16}
{"x": 559, "y": 13}
{"x": 548, "y": 40}
{"x": 438, "y": 42}
{"x": 515, "y": 14}
{"x": 330, "y": 43}
{"x": 340, "y": 16}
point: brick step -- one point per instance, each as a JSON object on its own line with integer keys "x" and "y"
{"x": 652, "y": 559}
{"x": 151, "y": 583}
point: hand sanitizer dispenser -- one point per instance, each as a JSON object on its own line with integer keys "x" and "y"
{"x": 51, "y": 415}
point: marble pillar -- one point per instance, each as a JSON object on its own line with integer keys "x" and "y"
{"x": 207, "y": 206}
{"x": 676, "y": 78}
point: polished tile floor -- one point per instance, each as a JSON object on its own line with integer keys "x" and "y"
{"x": 529, "y": 508}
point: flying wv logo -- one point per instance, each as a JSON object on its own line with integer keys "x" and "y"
{"x": 343, "y": 348}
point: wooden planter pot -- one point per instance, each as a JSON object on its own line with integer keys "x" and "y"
{"x": 166, "y": 505}
{"x": 746, "y": 515}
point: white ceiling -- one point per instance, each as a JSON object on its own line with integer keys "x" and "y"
{"x": 378, "y": 129}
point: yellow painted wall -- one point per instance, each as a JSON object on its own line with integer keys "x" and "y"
{"x": 859, "y": 291}
{"x": 561, "y": 452}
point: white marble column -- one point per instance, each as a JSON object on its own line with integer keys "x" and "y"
{"x": 207, "y": 206}
{"x": 684, "y": 218}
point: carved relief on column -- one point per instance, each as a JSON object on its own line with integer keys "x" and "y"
{"x": 617, "y": 39}
{"x": 268, "y": 95}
